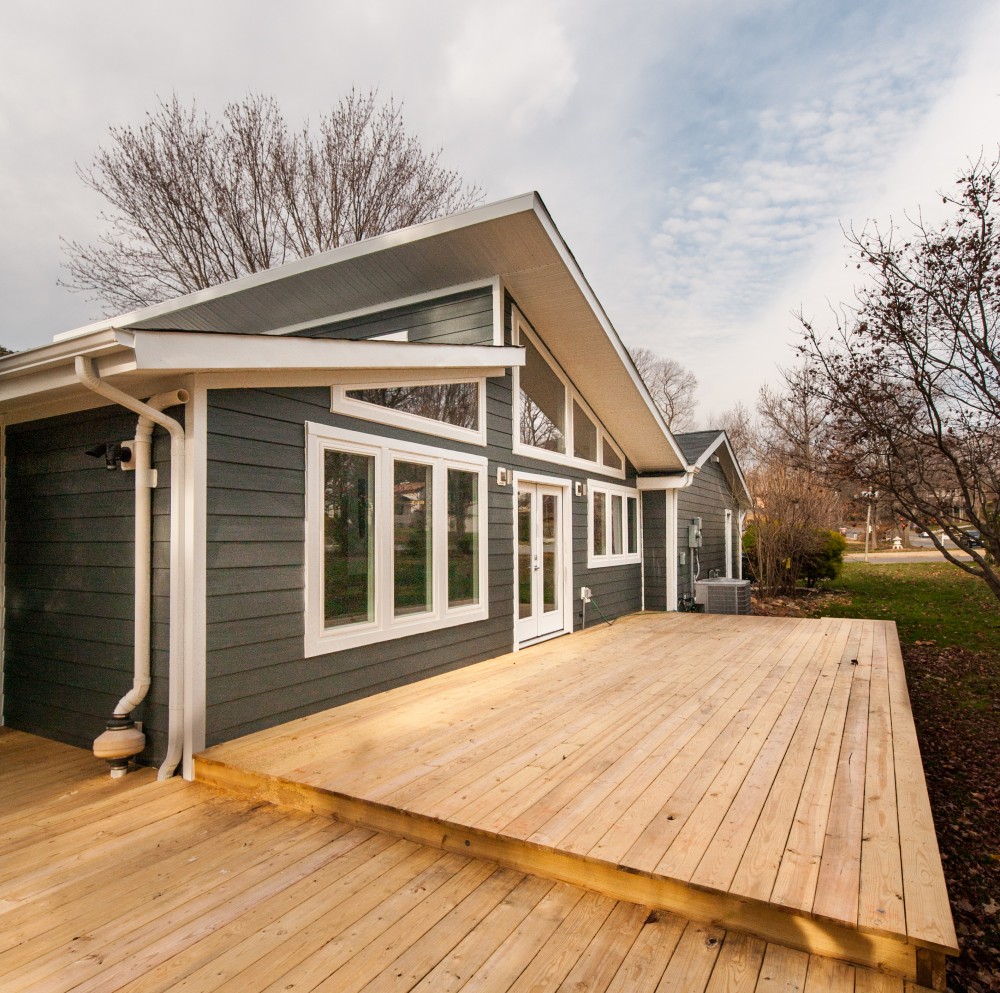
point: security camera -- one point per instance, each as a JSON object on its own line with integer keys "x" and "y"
{"x": 113, "y": 453}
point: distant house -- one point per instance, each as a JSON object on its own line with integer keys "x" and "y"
{"x": 383, "y": 462}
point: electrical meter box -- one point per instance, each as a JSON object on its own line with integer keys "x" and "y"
{"x": 694, "y": 533}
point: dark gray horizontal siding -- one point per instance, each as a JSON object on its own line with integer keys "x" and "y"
{"x": 257, "y": 674}
{"x": 654, "y": 549}
{"x": 69, "y": 584}
{"x": 458, "y": 319}
{"x": 707, "y": 497}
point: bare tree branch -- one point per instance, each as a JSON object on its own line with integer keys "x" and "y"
{"x": 672, "y": 387}
{"x": 910, "y": 376}
{"x": 193, "y": 202}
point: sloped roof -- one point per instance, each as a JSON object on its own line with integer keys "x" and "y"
{"x": 694, "y": 444}
{"x": 699, "y": 446}
{"x": 513, "y": 239}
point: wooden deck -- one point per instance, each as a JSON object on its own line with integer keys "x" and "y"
{"x": 757, "y": 774}
{"x": 135, "y": 885}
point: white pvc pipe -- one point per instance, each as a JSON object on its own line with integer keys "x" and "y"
{"x": 150, "y": 413}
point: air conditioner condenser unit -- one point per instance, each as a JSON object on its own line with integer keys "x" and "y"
{"x": 723, "y": 596}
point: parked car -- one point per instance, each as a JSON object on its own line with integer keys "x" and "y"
{"x": 973, "y": 538}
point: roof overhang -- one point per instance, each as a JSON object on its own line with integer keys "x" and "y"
{"x": 146, "y": 362}
{"x": 513, "y": 240}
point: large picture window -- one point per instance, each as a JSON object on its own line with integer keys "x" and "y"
{"x": 395, "y": 539}
{"x": 613, "y": 525}
{"x": 552, "y": 421}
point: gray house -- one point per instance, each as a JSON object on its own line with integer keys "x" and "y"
{"x": 318, "y": 482}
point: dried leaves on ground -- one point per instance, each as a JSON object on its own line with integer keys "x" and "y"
{"x": 955, "y": 695}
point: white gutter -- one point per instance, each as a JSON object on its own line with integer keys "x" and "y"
{"x": 149, "y": 414}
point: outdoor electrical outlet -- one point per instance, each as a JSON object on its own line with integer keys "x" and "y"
{"x": 585, "y": 594}
{"x": 681, "y": 558}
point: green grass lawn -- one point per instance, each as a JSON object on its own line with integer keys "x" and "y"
{"x": 929, "y": 601}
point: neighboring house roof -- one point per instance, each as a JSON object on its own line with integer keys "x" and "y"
{"x": 699, "y": 446}
{"x": 514, "y": 240}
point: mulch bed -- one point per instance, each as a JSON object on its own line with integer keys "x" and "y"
{"x": 956, "y": 708}
{"x": 955, "y": 696}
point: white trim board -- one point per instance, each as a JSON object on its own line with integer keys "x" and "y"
{"x": 196, "y": 578}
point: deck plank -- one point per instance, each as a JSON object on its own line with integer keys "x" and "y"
{"x": 928, "y": 915}
{"x": 234, "y": 896}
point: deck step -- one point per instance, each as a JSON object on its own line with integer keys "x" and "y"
{"x": 769, "y": 922}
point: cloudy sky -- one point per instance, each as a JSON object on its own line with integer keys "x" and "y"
{"x": 699, "y": 156}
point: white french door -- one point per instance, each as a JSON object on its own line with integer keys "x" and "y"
{"x": 540, "y": 561}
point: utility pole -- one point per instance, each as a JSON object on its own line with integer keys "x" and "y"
{"x": 868, "y": 495}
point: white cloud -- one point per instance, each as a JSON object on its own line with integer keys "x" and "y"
{"x": 510, "y": 63}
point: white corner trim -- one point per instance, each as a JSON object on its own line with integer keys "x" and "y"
{"x": 499, "y": 292}
{"x": 670, "y": 523}
{"x": 195, "y": 567}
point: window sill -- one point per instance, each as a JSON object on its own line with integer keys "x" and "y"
{"x": 358, "y": 636}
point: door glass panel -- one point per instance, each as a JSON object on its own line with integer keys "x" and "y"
{"x": 550, "y": 549}
{"x": 524, "y": 570}
{"x": 463, "y": 538}
{"x": 412, "y": 567}
{"x": 616, "y": 525}
{"x": 632, "y": 507}
{"x": 349, "y": 538}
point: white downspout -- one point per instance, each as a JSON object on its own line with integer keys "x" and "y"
{"x": 151, "y": 413}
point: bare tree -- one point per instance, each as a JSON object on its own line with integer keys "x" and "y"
{"x": 793, "y": 420}
{"x": 192, "y": 202}
{"x": 672, "y": 387}
{"x": 743, "y": 431}
{"x": 911, "y": 374}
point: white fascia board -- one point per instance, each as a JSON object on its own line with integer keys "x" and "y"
{"x": 209, "y": 352}
{"x": 678, "y": 481}
{"x": 573, "y": 268}
{"x": 705, "y": 455}
{"x": 35, "y": 360}
{"x": 40, "y": 370}
{"x": 370, "y": 246}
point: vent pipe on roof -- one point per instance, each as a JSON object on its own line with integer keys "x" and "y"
{"x": 122, "y": 739}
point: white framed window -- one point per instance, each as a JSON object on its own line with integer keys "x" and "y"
{"x": 449, "y": 408}
{"x": 613, "y": 536}
{"x": 551, "y": 420}
{"x": 396, "y": 539}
